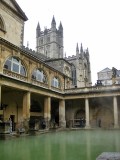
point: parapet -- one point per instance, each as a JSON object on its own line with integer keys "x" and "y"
{"x": 34, "y": 53}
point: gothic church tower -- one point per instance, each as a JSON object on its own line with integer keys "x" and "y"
{"x": 50, "y": 41}
{"x": 82, "y": 71}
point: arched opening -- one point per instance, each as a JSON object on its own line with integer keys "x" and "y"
{"x": 104, "y": 117}
{"x": 80, "y": 118}
{"x": 80, "y": 114}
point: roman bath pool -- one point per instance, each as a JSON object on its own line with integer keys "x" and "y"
{"x": 67, "y": 145}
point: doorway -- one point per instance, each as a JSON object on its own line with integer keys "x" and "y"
{"x": 13, "y": 122}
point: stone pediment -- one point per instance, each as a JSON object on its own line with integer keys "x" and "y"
{"x": 106, "y": 70}
{"x": 10, "y": 4}
{"x": 14, "y": 6}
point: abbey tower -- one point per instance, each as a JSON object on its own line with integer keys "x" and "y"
{"x": 50, "y": 44}
{"x": 50, "y": 41}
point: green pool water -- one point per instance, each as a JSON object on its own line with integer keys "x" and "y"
{"x": 68, "y": 145}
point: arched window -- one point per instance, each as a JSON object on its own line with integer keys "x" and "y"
{"x": 55, "y": 82}
{"x": 14, "y": 64}
{"x": 39, "y": 75}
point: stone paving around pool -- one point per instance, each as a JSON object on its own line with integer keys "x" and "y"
{"x": 109, "y": 156}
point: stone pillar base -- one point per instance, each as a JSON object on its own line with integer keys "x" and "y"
{"x": 62, "y": 124}
{"x": 26, "y": 125}
{"x": 47, "y": 123}
{"x": 87, "y": 127}
{"x": 116, "y": 127}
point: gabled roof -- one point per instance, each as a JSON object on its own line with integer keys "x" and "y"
{"x": 106, "y": 70}
{"x": 13, "y": 5}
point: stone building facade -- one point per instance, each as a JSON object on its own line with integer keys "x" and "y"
{"x": 109, "y": 76}
{"x": 13, "y": 32}
{"x": 34, "y": 87}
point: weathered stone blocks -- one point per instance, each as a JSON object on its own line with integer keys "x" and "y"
{"x": 109, "y": 156}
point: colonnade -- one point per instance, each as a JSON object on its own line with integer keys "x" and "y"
{"x": 62, "y": 121}
{"x": 47, "y": 109}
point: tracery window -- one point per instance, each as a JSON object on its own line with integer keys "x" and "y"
{"x": 39, "y": 75}
{"x": 14, "y": 64}
{"x": 55, "y": 82}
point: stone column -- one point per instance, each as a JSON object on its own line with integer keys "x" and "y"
{"x": 1, "y": 111}
{"x": 115, "y": 109}
{"x": 87, "y": 113}
{"x": 49, "y": 81}
{"x": 26, "y": 110}
{"x": 0, "y": 95}
{"x": 62, "y": 121}
{"x": 47, "y": 110}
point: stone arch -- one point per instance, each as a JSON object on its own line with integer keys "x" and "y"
{"x": 105, "y": 116}
{"x": 79, "y": 114}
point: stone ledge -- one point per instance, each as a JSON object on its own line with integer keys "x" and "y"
{"x": 109, "y": 156}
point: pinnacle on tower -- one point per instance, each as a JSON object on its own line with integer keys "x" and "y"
{"x": 38, "y": 30}
{"x": 77, "y": 51}
{"x": 77, "y": 48}
{"x": 87, "y": 51}
{"x": 81, "y": 48}
{"x": 53, "y": 23}
{"x": 38, "y": 26}
{"x": 60, "y": 26}
{"x": 61, "y": 29}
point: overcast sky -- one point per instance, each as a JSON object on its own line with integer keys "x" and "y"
{"x": 94, "y": 23}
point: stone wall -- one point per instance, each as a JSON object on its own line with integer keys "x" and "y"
{"x": 14, "y": 26}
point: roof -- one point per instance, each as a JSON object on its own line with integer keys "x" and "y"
{"x": 58, "y": 59}
{"x": 106, "y": 70}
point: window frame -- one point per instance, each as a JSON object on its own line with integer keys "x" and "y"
{"x": 39, "y": 75}
{"x": 55, "y": 82}
{"x": 15, "y": 61}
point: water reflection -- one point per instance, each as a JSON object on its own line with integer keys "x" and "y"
{"x": 88, "y": 146}
{"x": 73, "y": 145}
{"x": 117, "y": 142}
